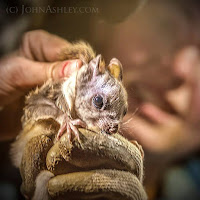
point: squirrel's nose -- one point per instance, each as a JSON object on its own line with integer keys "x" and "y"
{"x": 114, "y": 129}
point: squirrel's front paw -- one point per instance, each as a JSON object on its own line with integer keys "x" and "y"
{"x": 69, "y": 126}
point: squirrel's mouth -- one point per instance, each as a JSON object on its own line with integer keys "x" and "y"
{"x": 109, "y": 131}
{"x": 105, "y": 132}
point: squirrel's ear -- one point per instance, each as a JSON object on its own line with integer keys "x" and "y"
{"x": 97, "y": 65}
{"x": 115, "y": 68}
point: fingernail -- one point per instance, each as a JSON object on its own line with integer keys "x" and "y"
{"x": 69, "y": 67}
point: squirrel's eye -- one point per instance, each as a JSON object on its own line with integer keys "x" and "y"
{"x": 98, "y": 101}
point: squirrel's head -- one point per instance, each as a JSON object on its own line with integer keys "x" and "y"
{"x": 101, "y": 99}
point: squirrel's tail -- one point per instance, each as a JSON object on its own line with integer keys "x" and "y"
{"x": 79, "y": 50}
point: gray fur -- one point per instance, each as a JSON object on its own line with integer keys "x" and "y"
{"x": 50, "y": 99}
{"x": 115, "y": 97}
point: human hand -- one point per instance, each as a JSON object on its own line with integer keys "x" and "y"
{"x": 166, "y": 133}
{"x": 36, "y": 61}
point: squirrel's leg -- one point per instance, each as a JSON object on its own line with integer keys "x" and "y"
{"x": 69, "y": 126}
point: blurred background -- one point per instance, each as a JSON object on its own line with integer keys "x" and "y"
{"x": 158, "y": 43}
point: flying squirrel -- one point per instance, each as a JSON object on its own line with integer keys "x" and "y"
{"x": 92, "y": 97}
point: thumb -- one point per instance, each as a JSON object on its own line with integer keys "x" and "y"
{"x": 36, "y": 73}
{"x": 17, "y": 74}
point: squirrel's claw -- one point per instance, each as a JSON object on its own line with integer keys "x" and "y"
{"x": 69, "y": 126}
